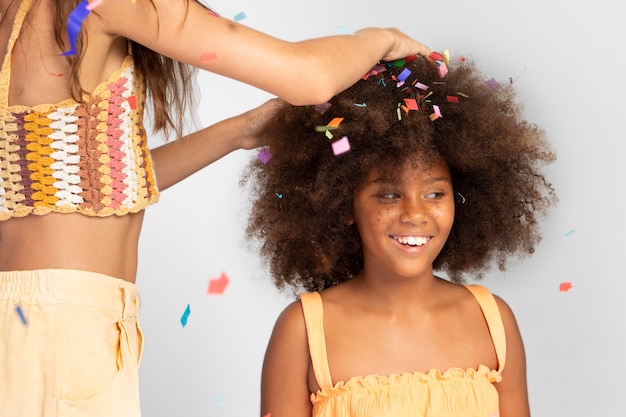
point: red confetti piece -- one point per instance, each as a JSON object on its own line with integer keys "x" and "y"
{"x": 411, "y": 103}
{"x": 452, "y": 99}
{"x": 565, "y": 286}
{"x": 218, "y": 285}
{"x": 436, "y": 56}
{"x": 132, "y": 101}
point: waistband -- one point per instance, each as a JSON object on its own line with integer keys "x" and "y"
{"x": 68, "y": 286}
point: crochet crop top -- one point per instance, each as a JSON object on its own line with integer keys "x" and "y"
{"x": 90, "y": 158}
{"x": 437, "y": 393}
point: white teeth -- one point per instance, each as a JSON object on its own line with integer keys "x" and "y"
{"x": 412, "y": 240}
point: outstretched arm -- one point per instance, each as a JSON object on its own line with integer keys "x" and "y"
{"x": 307, "y": 72}
{"x": 284, "y": 380}
{"x": 512, "y": 390}
{"x": 178, "y": 159}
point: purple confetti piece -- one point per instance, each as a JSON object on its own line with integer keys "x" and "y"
{"x": 265, "y": 156}
{"x": 322, "y": 108}
{"x": 492, "y": 84}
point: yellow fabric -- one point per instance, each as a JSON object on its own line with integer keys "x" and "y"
{"x": 437, "y": 393}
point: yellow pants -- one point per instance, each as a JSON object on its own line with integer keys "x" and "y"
{"x": 70, "y": 345}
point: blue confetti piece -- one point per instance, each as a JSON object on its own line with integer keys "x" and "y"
{"x": 183, "y": 319}
{"x": 279, "y": 195}
{"x": 346, "y": 31}
{"x": 239, "y": 16}
{"x": 20, "y": 313}
{"x": 570, "y": 232}
{"x": 74, "y": 23}
{"x": 404, "y": 74}
{"x": 219, "y": 400}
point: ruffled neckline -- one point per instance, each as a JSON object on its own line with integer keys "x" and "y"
{"x": 482, "y": 372}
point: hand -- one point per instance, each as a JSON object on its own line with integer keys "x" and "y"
{"x": 403, "y": 45}
{"x": 254, "y": 124}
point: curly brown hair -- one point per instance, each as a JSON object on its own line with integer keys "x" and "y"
{"x": 302, "y": 197}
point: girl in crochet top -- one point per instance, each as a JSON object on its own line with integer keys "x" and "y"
{"x": 421, "y": 167}
{"x": 76, "y": 173}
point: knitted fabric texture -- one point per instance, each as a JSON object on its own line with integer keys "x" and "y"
{"x": 91, "y": 158}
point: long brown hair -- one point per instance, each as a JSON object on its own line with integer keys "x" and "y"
{"x": 169, "y": 83}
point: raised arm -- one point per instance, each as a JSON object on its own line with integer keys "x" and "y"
{"x": 512, "y": 390}
{"x": 284, "y": 380}
{"x": 306, "y": 72}
{"x": 176, "y": 160}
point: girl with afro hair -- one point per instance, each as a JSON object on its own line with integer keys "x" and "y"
{"x": 421, "y": 166}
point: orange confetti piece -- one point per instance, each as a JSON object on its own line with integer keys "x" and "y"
{"x": 335, "y": 122}
{"x": 565, "y": 286}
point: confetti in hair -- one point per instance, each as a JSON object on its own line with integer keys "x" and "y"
{"x": 74, "y": 24}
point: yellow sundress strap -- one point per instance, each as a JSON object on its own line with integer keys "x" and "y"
{"x": 5, "y": 72}
{"x": 314, "y": 319}
{"x": 494, "y": 321}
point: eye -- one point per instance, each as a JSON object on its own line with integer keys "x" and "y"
{"x": 388, "y": 195}
{"x": 436, "y": 195}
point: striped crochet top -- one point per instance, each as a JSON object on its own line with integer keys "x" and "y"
{"x": 90, "y": 158}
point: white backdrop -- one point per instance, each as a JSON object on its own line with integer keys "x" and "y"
{"x": 565, "y": 58}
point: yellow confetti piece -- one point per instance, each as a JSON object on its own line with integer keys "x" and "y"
{"x": 446, "y": 56}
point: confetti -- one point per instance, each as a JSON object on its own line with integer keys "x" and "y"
{"x": 322, "y": 108}
{"x": 265, "y": 155}
{"x": 93, "y": 4}
{"x": 452, "y": 99}
{"x": 346, "y": 31}
{"x": 239, "y": 17}
{"x": 218, "y": 285}
{"x": 268, "y": 415}
{"x": 570, "y": 232}
{"x": 132, "y": 102}
{"x": 421, "y": 86}
{"x": 208, "y": 57}
{"x": 335, "y": 122}
{"x": 20, "y": 313}
{"x": 436, "y": 56}
{"x": 565, "y": 286}
{"x": 74, "y": 23}
{"x": 183, "y": 319}
{"x": 442, "y": 69}
{"x": 411, "y": 103}
{"x": 280, "y": 196}
{"x": 360, "y": 104}
{"x": 341, "y": 146}
{"x": 219, "y": 399}
{"x": 404, "y": 74}
{"x": 493, "y": 84}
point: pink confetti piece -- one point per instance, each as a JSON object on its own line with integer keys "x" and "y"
{"x": 565, "y": 286}
{"x": 265, "y": 155}
{"x": 208, "y": 57}
{"x": 218, "y": 285}
{"x": 94, "y": 4}
{"x": 341, "y": 146}
{"x": 421, "y": 86}
{"x": 437, "y": 110}
{"x": 442, "y": 69}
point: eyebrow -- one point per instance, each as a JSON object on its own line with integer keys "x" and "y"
{"x": 387, "y": 181}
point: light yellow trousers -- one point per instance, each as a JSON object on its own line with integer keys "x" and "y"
{"x": 70, "y": 345}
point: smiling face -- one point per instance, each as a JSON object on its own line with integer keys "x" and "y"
{"x": 404, "y": 220}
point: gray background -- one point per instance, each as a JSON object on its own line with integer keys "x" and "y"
{"x": 565, "y": 58}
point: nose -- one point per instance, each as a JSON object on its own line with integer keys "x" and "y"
{"x": 413, "y": 210}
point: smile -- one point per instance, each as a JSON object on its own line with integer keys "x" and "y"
{"x": 411, "y": 240}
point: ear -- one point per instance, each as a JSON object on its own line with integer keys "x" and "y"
{"x": 349, "y": 220}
